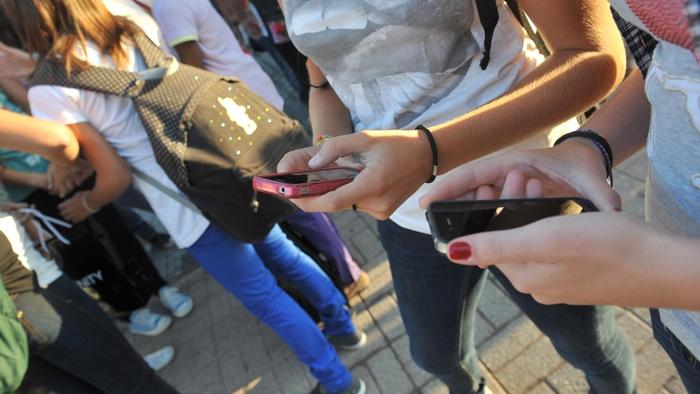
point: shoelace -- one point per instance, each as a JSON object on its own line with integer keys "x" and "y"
{"x": 49, "y": 222}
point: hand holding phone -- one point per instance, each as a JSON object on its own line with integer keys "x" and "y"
{"x": 452, "y": 219}
{"x": 304, "y": 184}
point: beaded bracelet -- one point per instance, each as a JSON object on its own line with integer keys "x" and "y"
{"x": 599, "y": 142}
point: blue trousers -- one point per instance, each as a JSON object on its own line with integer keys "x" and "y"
{"x": 438, "y": 301}
{"x": 687, "y": 365}
{"x": 239, "y": 268}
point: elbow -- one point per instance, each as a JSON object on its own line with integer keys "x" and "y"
{"x": 612, "y": 63}
{"x": 65, "y": 148}
{"x": 613, "y": 68}
{"x": 120, "y": 179}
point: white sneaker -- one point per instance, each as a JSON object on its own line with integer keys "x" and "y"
{"x": 180, "y": 304}
{"x": 145, "y": 322}
{"x": 160, "y": 358}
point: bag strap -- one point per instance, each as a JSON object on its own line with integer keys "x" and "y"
{"x": 535, "y": 36}
{"x": 108, "y": 80}
{"x": 165, "y": 190}
{"x": 152, "y": 54}
{"x": 488, "y": 15}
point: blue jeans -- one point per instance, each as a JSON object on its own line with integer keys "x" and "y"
{"x": 76, "y": 348}
{"x": 438, "y": 301}
{"x": 239, "y": 268}
{"x": 688, "y": 366}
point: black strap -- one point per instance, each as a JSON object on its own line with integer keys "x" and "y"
{"x": 488, "y": 15}
{"x": 433, "y": 150}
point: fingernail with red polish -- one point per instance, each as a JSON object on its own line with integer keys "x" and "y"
{"x": 460, "y": 251}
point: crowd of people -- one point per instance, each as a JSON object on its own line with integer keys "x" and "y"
{"x": 431, "y": 101}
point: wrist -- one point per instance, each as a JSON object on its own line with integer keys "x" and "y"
{"x": 587, "y": 151}
{"x": 88, "y": 203}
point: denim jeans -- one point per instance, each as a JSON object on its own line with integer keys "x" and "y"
{"x": 687, "y": 364}
{"x": 239, "y": 268}
{"x": 76, "y": 348}
{"x": 438, "y": 301}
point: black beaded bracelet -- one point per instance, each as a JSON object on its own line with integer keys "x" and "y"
{"x": 600, "y": 143}
{"x": 433, "y": 150}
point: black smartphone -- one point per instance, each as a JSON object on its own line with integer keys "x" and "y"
{"x": 451, "y": 219}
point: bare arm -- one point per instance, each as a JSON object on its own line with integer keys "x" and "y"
{"x": 55, "y": 142}
{"x": 16, "y": 92}
{"x": 113, "y": 174}
{"x": 27, "y": 179}
{"x": 584, "y": 42}
{"x": 624, "y": 119}
{"x": 327, "y": 113}
{"x": 190, "y": 53}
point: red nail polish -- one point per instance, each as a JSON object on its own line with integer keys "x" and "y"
{"x": 460, "y": 251}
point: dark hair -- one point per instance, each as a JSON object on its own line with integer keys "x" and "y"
{"x": 53, "y": 28}
{"x": 7, "y": 33}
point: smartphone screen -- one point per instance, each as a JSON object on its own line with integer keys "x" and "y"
{"x": 314, "y": 176}
{"x": 451, "y": 219}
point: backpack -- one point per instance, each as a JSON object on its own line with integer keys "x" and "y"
{"x": 14, "y": 345}
{"x": 210, "y": 134}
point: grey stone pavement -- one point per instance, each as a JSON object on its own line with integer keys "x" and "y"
{"x": 221, "y": 348}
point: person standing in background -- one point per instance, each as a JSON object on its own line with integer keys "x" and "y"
{"x": 202, "y": 38}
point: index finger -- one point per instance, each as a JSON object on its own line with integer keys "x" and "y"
{"x": 297, "y": 160}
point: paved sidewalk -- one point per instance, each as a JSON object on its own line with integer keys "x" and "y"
{"x": 221, "y": 348}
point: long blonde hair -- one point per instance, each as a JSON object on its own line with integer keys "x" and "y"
{"x": 52, "y": 28}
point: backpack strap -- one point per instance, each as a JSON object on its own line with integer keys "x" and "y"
{"x": 165, "y": 190}
{"x": 97, "y": 79}
{"x": 488, "y": 15}
{"x": 104, "y": 79}
{"x": 525, "y": 23}
{"x": 152, "y": 54}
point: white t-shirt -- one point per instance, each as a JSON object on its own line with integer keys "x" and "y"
{"x": 197, "y": 20}
{"x": 397, "y": 65}
{"x": 136, "y": 14}
{"x": 116, "y": 119}
{"x": 46, "y": 271}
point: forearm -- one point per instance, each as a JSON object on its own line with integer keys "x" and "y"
{"x": 33, "y": 180}
{"x": 50, "y": 140}
{"x": 665, "y": 273}
{"x": 108, "y": 188}
{"x": 327, "y": 113}
{"x": 557, "y": 90}
{"x": 624, "y": 119}
{"x": 16, "y": 92}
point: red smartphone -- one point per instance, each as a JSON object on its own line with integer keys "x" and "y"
{"x": 304, "y": 184}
